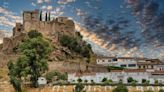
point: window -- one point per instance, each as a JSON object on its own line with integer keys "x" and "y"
{"x": 139, "y": 67}
{"x": 123, "y": 65}
{"x": 103, "y": 60}
{"x": 132, "y": 65}
{"x": 114, "y": 59}
{"x": 19, "y": 29}
{"x": 109, "y": 60}
{"x": 143, "y": 66}
{"x": 152, "y": 66}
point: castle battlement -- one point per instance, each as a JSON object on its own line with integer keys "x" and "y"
{"x": 33, "y": 20}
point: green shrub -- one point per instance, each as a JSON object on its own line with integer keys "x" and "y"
{"x": 143, "y": 80}
{"x": 34, "y": 34}
{"x": 130, "y": 79}
{"x": 92, "y": 81}
{"x": 161, "y": 90}
{"x": 79, "y": 88}
{"x": 120, "y": 88}
{"x": 114, "y": 68}
{"x": 156, "y": 82}
{"x": 60, "y": 76}
{"x": 149, "y": 91}
{"x": 79, "y": 80}
{"x": 110, "y": 81}
{"x": 104, "y": 79}
{"x": 133, "y": 83}
{"x": 85, "y": 80}
{"x": 76, "y": 45}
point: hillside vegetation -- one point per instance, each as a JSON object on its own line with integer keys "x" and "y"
{"x": 35, "y": 51}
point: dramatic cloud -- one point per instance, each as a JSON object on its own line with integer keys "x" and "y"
{"x": 33, "y": 4}
{"x": 79, "y": 12}
{"x": 65, "y": 1}
{"x": 57, "y": 11}
{"x": 150, "y": 18}
{"x": 40, "y": 1}
{"x": 43, "y": 1}
{"x": 8, "y": 18}
{"x": 49, "y": 7}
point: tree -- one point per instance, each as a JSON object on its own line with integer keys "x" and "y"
{"x": 161, "y": 90}
{"x": 41, "y": 16}
{"x": 79, "y": 88}
{"x": 130, "y": 79}
{"x": 156, "y": 82}
{"x": 143, "y": 80}
{"x": 92, "y": 81}
{"x": 104, "y": 79}
{"x": 78, "y": 46}
{"x": 86, "y": 81}
{"x": 120, "y": 88}
{"x": 46, "y": 18}
{"x": 79, "y": 80}
{"x": 16, "y": 84}
{"x": 34, "y": 34}
{"x": 49, "y": 16}
{"x": 33, "y": 60}
{"x": 13, "y": 79}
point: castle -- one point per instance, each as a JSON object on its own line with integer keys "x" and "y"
{"x": 33, "y": 20}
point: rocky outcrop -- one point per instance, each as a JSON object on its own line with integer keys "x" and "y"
{"x": 9, "y": 43}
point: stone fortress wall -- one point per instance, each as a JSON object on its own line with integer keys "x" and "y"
{"x": 32, "y": 20}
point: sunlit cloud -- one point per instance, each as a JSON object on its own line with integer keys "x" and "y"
{"x": 65, "y": 1}
{"x": 40, "y": 1}
{"x": 8, "y": 18}
{"x": 79, "y": 12}
{"x": 33, "y": 4}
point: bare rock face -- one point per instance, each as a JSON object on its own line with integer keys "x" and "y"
{"x": 10, "y": 42}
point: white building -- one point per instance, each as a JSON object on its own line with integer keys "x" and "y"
{"x": 42, "y": 81}
{"x": 131, "y": 62}
{"x": 116, "y": 75}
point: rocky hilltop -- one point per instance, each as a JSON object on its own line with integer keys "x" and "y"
{"x": 60, "y": 32}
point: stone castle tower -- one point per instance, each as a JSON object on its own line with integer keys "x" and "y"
{"x": 32, "y": 20}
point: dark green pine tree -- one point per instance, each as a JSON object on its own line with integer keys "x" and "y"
{"x": 41, "y": 16}
{"x": 49, "y": 16}
{"x": 46, "y": 17}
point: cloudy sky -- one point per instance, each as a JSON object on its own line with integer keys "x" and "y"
{"x": 113, "y": 27}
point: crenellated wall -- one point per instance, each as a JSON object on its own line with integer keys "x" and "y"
{"x": 31, "y": 21}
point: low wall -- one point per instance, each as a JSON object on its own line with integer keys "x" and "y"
{"x": 98, "y": 88}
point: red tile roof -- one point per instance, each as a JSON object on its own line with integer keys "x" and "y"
{"x": 136, "y": 58}
{"x": 129, "y": 70}
{"x": 157, "y": 72}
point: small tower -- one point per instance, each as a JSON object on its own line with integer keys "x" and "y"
{"x": 18, "y": 29}
{"x": 31, "y": 15}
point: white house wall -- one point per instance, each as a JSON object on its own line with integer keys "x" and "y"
{"x": 114, "y": 76}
